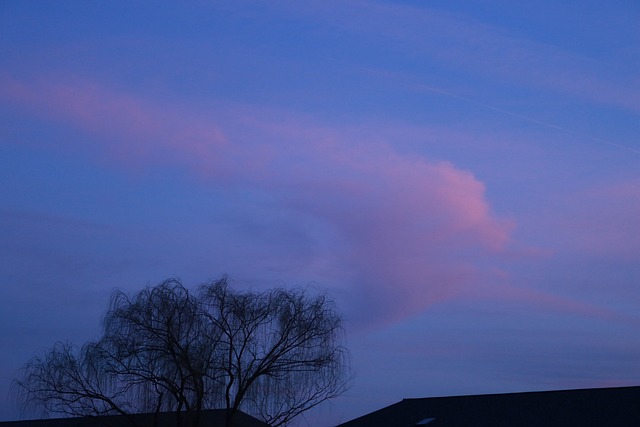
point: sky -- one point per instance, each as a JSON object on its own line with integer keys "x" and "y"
{"x": 461, "y": 176}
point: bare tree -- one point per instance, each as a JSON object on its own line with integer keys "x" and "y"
{"x": 283, "y": 353}
{"x": 273, "y": 354}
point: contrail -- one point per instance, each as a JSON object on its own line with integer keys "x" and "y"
{"x": 527, "y": 118}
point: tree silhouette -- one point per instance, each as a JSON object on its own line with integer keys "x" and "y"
{"x": 272, "y": 354}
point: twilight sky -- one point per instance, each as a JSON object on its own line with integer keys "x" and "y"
{"x": 462, "y": 176}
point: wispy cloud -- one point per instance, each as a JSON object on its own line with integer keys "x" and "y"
{"x": 395, "y": 232}
{"x": 404, "y": 228}
{"x": 601, "y": 221}
{"x": 479, "y": 49}
{"x": 131, "y": 129}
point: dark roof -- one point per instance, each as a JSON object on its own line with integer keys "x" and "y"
{"x": 209, "y": 418}
{"x": 602, "y": 407}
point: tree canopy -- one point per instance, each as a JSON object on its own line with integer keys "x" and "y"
{"x": 272, "y": 354}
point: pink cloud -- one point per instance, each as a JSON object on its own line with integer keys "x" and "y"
{"x": 396, "y": 232}
{"x": 409, "y": 228}
{"x": 502, "y": 289}
{"x": 404, "y": 231}
{"x": 134, "y": 130}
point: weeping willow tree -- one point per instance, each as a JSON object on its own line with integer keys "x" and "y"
{"x": 272, "y": 354}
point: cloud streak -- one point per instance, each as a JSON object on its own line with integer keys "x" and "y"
{"x": 132, "y": 130}
{"x": 394, "y": 233}
{"x": 479, "y": 49}
{"x": 405, "y": 229}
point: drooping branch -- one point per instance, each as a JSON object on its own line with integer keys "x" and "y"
{"x": 285, "y": 354}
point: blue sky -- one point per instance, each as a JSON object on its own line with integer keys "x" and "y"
{"x": 463, "y": 177}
